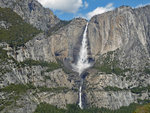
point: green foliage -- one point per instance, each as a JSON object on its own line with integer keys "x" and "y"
{"x": 15, "y": 91}
{"x": 110, "y": 88}
{"x": 21, "y": 88}
{"x": 47, "y": 108}
{"x": 145, "y": 101}
{"x": 51, "y": 65}
{"x": 147, "y": 71}
{"x": 109, "y": 65}
{"x": 104, "y": 68}
{"x": 57, "y": 27}
{"x": 19, "y": 32}
{"x": 58, "y": 89}
{"x": 143, "y": 109}
{"x": 140, "y": 89}
{"x": 4, "y": 103}
{"x": 136, "y": 90}
{"x": 16, "y": 88}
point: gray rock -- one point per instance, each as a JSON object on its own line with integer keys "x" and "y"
{"x": 32, "y": 12}
{"x": 125, "y": 29}
{"x": 39, "y": 48}
{"x": 97, "y": 95}
{"x": 66, "y": 42}
{"x": 4, "y": 25}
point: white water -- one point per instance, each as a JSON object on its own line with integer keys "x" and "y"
{"x": 80, "y": 97}
{"x": 82, "y": 62}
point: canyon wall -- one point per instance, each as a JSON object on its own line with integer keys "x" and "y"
{"x": 32, "y": 12}
{"x": 119, "y": 42}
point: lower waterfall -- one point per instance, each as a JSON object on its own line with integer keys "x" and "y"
{"x": 82, "y": 63}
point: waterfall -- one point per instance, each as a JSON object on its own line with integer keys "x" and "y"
{"x": 82, "y": 62}
{"x": 80, "y": 97}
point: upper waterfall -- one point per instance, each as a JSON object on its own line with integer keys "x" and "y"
{"x": 82, "y": 62}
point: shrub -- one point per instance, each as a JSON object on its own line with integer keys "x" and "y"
{"x": 147, "y": 71}
{"x": 143, "y": 109}
{"x": 110, "y": 88}
{"x": 140, "y": 89}
{"x": 58, "y": 89}
{"x": 108, "y": 65}
{"x": 17, "y": 88}
{"x": 51, "y": 65}
{"x": 47, "y": 108}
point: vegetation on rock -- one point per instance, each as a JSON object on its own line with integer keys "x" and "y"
{"x": 51, "y": 65}
{"x": 110, "y": 88}
{"x": 143, "y": 109}
{"x": 109, "y": 64}
{"x": 140, "y": 89}
{"x": 22, "y": 88}
{"x": 57, "y": 27}
{"x": 47, "y": 108}
{"x": 16, "y": 88}
{"x": 19, "y": 32}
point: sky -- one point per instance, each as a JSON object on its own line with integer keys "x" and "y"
{"x": 69, "y": 9}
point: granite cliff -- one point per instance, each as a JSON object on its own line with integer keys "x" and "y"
{"x": 32, "y": 12}
{"x": 33, "y": 72}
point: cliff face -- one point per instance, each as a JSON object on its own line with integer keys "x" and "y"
{"x": 60, "y": 45}
{"x": 114, "y": 90}
{"x": 66, "y": 42}
{"x": 125, "y": 29}
{"x": 32, "y": 12}
{"x": 118, "y": 41}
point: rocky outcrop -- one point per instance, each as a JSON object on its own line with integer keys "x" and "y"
{"x": 66, "y": 42}
{"x": 60, "y": 88}
{"x": 113, "y": 91}
{"x": 118, "y": 39}
{"x": 125, "y": 29}
{"x": 62, "y": 44}
{"x": 59, "y": 99}
{"x": 111, "y": 99}
{"x": 54, "y": 87}
{"x": 39, "y": 48}
{"x": 4, "y": 24}
{"x": 32, "y": 12}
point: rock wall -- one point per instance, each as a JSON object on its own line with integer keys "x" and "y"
{"x": 125, "y": 29}
{"x": 124, "y": 32}
{"x": 39, "y": 48}
{"x": 66, "y": 42}
{"x": 119, "y": 41}
{"x": 62, "y": 44}
{"x": 113, "y": 91}
{"x": 32, "y": 12}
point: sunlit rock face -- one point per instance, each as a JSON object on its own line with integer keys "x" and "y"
{"x": 125, "y": 29}
{"x": 65, "y": 43}
{"x": 32, "y": 12}
{"x": 120, "y": 37}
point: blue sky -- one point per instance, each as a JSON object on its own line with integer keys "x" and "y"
{"x": 69, "y": 9}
